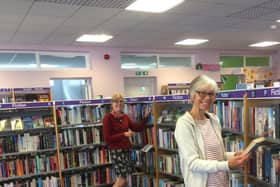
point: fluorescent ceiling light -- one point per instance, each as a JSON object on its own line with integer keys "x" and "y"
{"x": 191, "y": 42}
{"x": 278, "y": 20}
{"x": 94, "y": 38}
{"x": 264, "y": 44}
{"x": 154, "y": 6}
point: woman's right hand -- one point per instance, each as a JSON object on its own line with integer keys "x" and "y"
{"x": 129, "y": 133}
{"x": 238, "y": 161}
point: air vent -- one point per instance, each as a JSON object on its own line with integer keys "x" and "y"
{"x": 272, "y": 4}
{"x": 119, "y": 4}
{"x": 262, "y": 9}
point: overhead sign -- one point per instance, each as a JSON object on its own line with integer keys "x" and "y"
{"x": 141, "y": 73}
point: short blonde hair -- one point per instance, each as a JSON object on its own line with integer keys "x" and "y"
{"x": 117, "y": 96}
{"x": 202, "y": 81}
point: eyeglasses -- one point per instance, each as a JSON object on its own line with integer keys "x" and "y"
{"x": 203, "y": 94}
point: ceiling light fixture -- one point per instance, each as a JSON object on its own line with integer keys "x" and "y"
{"x": 264, "y": 44}
{"x": 191, "y": 42}
{"x": 99, "y": 38}
{"x": 278, "y": 20}
{"x": 154, "y": 6}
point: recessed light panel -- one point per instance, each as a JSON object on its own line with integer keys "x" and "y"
{"x": 99, "y": 38}
{"x": 154, "y": 6}
{"x": 191, "y": 42}
{"x": 264, "y": 44}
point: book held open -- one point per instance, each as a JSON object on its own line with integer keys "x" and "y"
{"x": 255, "y": 143}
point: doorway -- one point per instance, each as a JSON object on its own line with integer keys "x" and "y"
{"x": 70, "y": 89}
{"x": 140, "y": 86}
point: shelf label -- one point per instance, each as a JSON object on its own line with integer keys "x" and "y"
{"x": 232, "y": 94}
{"x": 178, "y": 84}
{"x": 6, "y": 105}
{"x": 78, "y": 102}
{"x": 5, "y": 90}
{"x": 31, "y": 89}
{"x": 275, "y": 92}
{"x": 138, "y": 99}
{"x": 106, "y": 101}
{"x": 171, "y": 98}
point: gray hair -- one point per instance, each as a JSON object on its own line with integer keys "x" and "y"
{"x": 202, "y": 81}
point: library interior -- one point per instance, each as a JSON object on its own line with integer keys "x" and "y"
{"x": 71, "y": 70}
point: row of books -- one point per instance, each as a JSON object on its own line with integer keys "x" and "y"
{"x": 171, "y": 113}
{"x": 236, "y": 179}
{"x": 26, "y": 122}
{"x": 93, "y": 114}
{"x": 136, "y": 112}
{"x": 264, "y": 121}
{"x": 265, "y": 165}
{"x": 230, "y": 114}
{"x": 144, "y": 137}
{"x": 28, "y": 165}
{"x": 80, "y": 136}
{"x": 26, "y": 143}
{"x": 72, "y": 159}
{"x": 233, "y": 144}
{"x": 141, "y": 179}
{"x": 169, "y": 164}
{"x": 165, "y": 182}
{"x": 80, "y": 114}
{"x": 89, "y": 179}
{"x": 35, "y": 182}
{"x": 166, "y": 139}
{"x": 144, "y": 160}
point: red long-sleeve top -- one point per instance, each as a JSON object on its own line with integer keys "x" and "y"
{"x": 114, "y": 129}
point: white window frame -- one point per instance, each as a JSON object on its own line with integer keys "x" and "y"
{"x": 158, "y": 55}
{"x": 38, "y": 64}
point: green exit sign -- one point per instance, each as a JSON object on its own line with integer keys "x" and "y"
{"x": 140, "y": 73}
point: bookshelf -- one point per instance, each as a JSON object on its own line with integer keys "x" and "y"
{"x": 135, "y": 108}
{"x": 6, "y": 95}
{"x": 262, "y": 119}
{"x": 166, "y": 110}
{"x": 37, "y": 94}
{"x": 229, "y": 109}
{"x": 71, "y": 131}
{"x": 84, "y": 158}
{"x": 32, "y": 94}
{"x": 28, "y": 144}
{"x": 175, "y": 88}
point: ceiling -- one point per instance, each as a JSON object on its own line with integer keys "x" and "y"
{"x": 227, "y": 24}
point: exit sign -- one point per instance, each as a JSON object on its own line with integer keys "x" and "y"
{"x": 140, "y": 73}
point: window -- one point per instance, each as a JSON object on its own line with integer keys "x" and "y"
{"x": 241, "y": 61}
{"x": 14, "y": 60}
{"x": 42, "y": 60}
{"x": 257, "y": 61}
{"x": 231, "y": 61}
{"x": 138, "y": 61}
{"x": 152, "y": 61}
{"x": 69, "y": 88}
{"x": 175, "y": 62}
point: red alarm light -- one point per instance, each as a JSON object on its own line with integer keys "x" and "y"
{"x": 106, "y": 56}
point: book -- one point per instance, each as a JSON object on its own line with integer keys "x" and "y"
{"x": 16, "y": 123}
{"x": 147, "y": 148}
{"x": 254, "y": 144}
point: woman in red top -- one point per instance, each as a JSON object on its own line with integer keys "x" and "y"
{"x": 118, "y": 129}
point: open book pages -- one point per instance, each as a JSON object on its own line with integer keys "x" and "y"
{"x": 255, "y": 143}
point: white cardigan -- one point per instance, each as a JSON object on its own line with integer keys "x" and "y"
{"x": 193, "y": 163}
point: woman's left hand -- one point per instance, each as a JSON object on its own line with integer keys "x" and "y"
{"x": 147, "y": 111}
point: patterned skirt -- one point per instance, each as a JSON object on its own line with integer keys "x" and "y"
{"x": 122, "y": 162}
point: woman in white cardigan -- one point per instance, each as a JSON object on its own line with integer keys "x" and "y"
{"x": 203, "y": 160}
